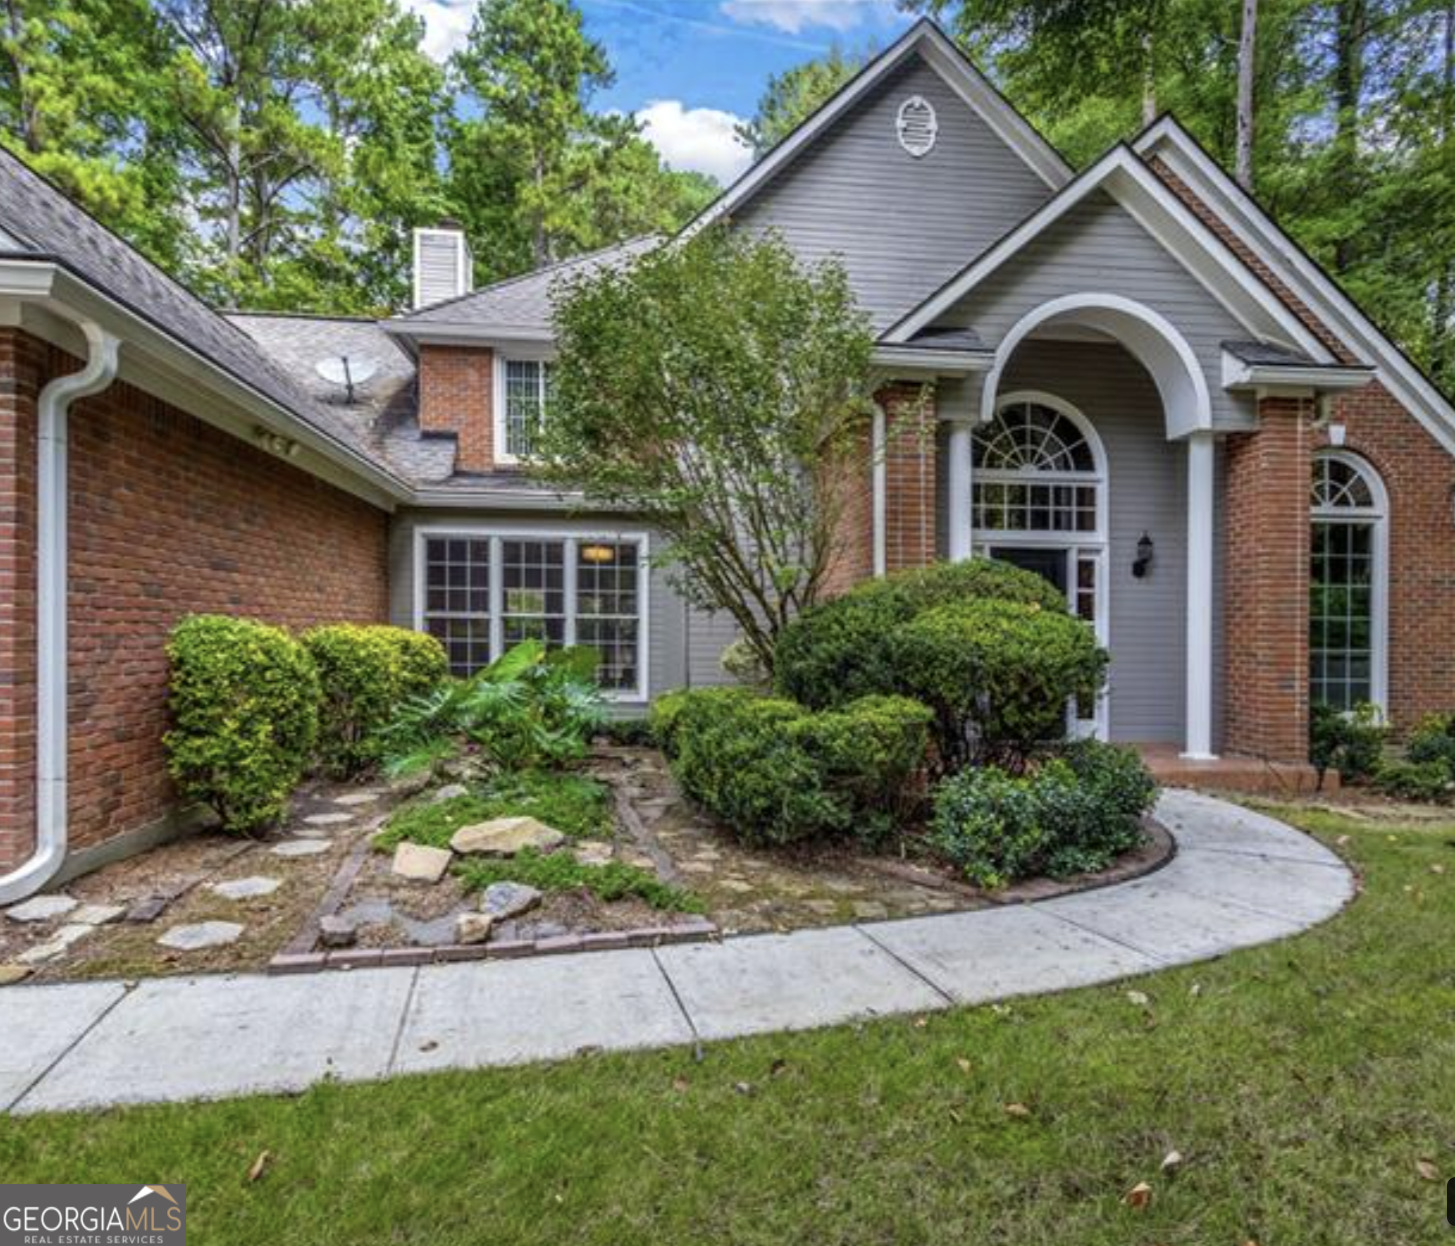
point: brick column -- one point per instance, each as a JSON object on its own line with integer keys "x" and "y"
{"x": 1266, "y": 570}
{"x": 909, "y": 470}
{"x": 20, "y": 364}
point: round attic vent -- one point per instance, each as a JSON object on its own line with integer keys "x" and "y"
{"x": 917, "y": 125}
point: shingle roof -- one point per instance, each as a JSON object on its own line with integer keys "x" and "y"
{"x": 1267, "y": 353}
{"x": 523, "y": 302}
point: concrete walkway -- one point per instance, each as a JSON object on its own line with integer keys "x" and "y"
{"x": 1238, "y": 879}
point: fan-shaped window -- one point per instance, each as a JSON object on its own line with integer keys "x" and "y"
{"x": 1035, "y": 469}
{"x": 1347, "y": 583}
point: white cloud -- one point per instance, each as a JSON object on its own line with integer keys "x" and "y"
{"x": 795, "y": 15}
{"x": 698, "y": 140}
{"x": 446, "y": 24}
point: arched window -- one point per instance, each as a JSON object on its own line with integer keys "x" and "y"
{"x": 1348, "y": 582}
{"x": 1036, "y": 468}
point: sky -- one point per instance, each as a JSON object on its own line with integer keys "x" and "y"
{"x": 690, "y": 70}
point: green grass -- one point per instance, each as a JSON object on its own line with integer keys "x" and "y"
{"x": 1304, "y": 1082}
{"x": 572, "y": 803}
{"x": 562, "y": 872}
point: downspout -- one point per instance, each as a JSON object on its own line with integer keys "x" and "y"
{"x": 52, "y": 411}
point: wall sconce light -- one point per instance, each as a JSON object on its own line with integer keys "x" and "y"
{"x": 1143, "y": 561}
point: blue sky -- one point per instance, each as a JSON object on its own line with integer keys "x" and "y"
{"x": 690, "y": 69}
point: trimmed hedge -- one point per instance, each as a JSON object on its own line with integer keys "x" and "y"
{"x": 775, "y": 773}
{"x": 244, "y": 700}
{"x": 1351, "y": 743}
{"x": 839, "y": 651}
{"x": 365, "y": 673}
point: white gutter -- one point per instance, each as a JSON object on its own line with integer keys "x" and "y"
{"x": 52, "y": 411}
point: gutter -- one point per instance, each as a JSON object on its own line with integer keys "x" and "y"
{"x": 52, "y": 413}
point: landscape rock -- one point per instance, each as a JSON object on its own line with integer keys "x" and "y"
{"x": 301, "y": 848}
{"x": 448, "y": 792}
{"x": 147, "y": 910}
{"x": 59, "y": 941}
{"x": 11, "y": 974}
{"x": 473, "y": 927}
{"x": 41, "y": 908}
{"x": 411, "y": 784}
{"x": 504, "y": 837}
{"x": 503, "y": 901}
{"x": 335, "y": 931}
{"x": 420, "y": 862}
{"x": 352, "y": 800}
{"x": 328, "y": 819}
{"x": 98, "y": 914}
{"x": 201, "y": 935}
{"x": 593, "y": 852}
{"x": 246, "y": 888}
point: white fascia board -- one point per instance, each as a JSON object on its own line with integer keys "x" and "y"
{"x": 960, "y": 75}
{"x": 1167, "y": 140}
{"x": 464, "y": 333}
{"x": 928, "y": 359}
{"x": 1239, "y": 374}
{"x": 1121, "y": 174}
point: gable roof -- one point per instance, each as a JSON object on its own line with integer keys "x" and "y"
{"x": 940, "y": 52}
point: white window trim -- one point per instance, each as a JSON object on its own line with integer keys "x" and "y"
{"x": 497, "y": 396}
{"x": 1378, "y": 515}
{"x": 572, "y": 536}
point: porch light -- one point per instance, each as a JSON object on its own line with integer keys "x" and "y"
{"x": 598, "y": 553}
{"x": 1143, "y": 561}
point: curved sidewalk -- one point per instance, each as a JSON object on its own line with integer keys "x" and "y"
{"x": 1238, "y": 879}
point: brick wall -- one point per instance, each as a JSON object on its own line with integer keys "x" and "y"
{"x": 1265, "y": 608}
{"x": 910, "y": 471}
{"x": 168, "y": 516}
{"x": 852, "y": 558}
{"x": 456, "y": 395}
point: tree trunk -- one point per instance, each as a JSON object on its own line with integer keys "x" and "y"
{"x": 1350, "y": 31}
{"x": 234, "y": 188}
{"x": 1247, "y": 57}
{"x": 541, "y": 244}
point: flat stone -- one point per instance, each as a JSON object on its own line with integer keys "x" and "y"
{"x": 336, "y": 931}
{"x": 504, "y": 837}
{"x": 98, "y": 914}
{"x": 40, "y": 1024}
{"x": 328, "y": 819}
{"x": 503, "y": 901}
{"x": 353, "y": 800}
{"x": 739, "y": 886}
{"x": 11, "y": 974}
{"x": 147, "y": 910}
{"x": 448, "y": 792}
{"x": 301, "y": 848}
{"x": 420, "y": 862}
{"x": 411, "y": 784}
{"x": 61, "y": 939}
{"x": 473, "y": 927}
{"x": 201, "y": 935}
{"x": 41, "y": 908}
{"x": 592, "y": 852}
{"x": 246, "y": 888}
{"x": 870, "y": 910}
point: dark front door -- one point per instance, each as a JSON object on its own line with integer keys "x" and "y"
{"x": 1050, "y": 564}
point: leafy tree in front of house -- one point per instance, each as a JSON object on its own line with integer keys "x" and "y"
{"x": 719, "y": 390}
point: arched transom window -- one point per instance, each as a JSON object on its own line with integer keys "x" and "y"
{"x": 1036, "y": 468}
{"x": 1348, "y": 576}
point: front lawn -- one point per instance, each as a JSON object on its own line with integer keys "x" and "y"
{"x": 1306, "y": 1084}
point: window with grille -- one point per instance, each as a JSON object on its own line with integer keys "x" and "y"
{"x": 1346, "y": 583}
{"x": 457, "y": 599}
{"x": 1033, "y": 470}
{"x": 527, "y": 384}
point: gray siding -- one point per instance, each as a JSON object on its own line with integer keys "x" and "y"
{"x": 1098, "y": 248}
{"x": 903, "y": 226}
{"x": 683, "y": 645}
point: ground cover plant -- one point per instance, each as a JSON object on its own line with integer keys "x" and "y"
{"x": 575, "y": 804}
{"x": 560, "y": 871}
{"x": 1305, "y": 1084}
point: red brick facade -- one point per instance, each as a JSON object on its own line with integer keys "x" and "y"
{"x": 457, "y": 395}
{"x": 168, "y": 516}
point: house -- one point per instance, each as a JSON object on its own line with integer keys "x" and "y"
{"x": 1142, "y": 389}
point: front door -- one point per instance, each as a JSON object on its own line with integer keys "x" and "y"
{"x": 1049, "y": 564}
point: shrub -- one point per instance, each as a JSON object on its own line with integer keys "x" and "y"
{"x": 559, "y": 871}
{"x": 998, "y": 675}
{"x": 626, "y": 732}
{"x": 1433, "y": 739}
{"x": 776, "y": 773}
{"x": 1350, "y": 742}
{"x": 365, "y": 673}
{"x": 838, "y": 651}
{"x": 574, "y": 804}
{"x": 244, "y": 701}
{"x": 1429, "y": 781}
{"x": 667, "y": 712}
{"x": 1071, "y": 814}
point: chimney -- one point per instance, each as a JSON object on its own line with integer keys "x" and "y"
{"x": 443, "y": 266}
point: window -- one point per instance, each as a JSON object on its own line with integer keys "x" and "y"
{"x": 1347, "y": 583}
{"x": 482, "y": 593}
{"x": 525, "y": 384}
{"x": 1034, "y": 470}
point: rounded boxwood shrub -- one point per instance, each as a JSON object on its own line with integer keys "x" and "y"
{"x": 1433, "y": 739}
{"x": 244, "y": 701}
{"x": 838, "y": 651}
{"x": 998, "y": 675}
{"x": 1425, "y": 781}
{"x": 1071, "y": 814}
{"x": 669, "y": 711}
{"x": 365, "y": 673}
{"x": 1351, "y": 742}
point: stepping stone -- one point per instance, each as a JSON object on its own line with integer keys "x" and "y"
{"x": 202, "y": 935}
{"x": 420, "y": 862}
{"x": 41, "y": 908}
{"x": 592, "y": 852}
{"x": 738, "y": 885}
{"x": 473, "y": 928}
{"x": 503, "y": 901}
{"x": 449, "y": 792}
{"x": 354, "y": 799}
{"x": 98, "y": 914}
{"x": 302, "y": 848}
{"x": 246, "y": 888}
{"x": 504, "y": 837}
{"x": 328, "y": 819}
{"x": 58, "y": 943}
{"x": 11, "y": 974}
{"x": 147, "y": 910}
{"x": 870, "y": 910}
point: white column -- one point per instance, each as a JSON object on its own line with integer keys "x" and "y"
{"x": 961, "y": 530}
{"x": 1199, "y": 595}
{"x": 881, "y": 492}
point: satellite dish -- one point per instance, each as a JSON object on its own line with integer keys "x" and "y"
{"x": 346, "y": 370}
